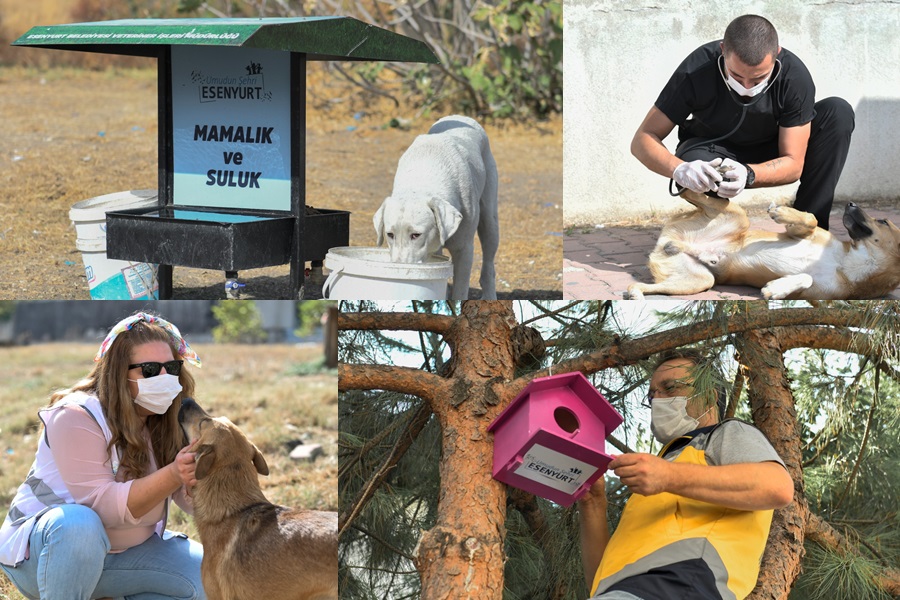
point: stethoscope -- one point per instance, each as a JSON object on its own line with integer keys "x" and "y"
{"x": 737, "y": 98}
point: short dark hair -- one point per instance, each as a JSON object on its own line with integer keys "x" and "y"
{"x": 752, "y": 38}
{"x": 707, "y": 367}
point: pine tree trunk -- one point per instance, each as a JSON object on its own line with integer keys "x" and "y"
{"x": 461, "y": 557}
{"x": 771, "y": 402}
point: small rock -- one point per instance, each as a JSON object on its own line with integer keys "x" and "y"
{"x": 307, "y": 452}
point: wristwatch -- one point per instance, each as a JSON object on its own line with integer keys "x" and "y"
{"x": 751, "y": 176}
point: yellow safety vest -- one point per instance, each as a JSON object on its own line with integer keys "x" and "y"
{"x": 662, "y": 529}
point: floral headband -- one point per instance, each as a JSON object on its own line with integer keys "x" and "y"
{"x": 125, "y": 324}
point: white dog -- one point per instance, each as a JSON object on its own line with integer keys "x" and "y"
{"x": 444, "y": 190}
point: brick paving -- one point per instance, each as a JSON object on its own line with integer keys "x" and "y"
{"x": 600, "y": 263}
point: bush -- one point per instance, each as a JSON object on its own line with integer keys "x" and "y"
{"x": 498, "y": 59}
{"x": 239, "y": 322}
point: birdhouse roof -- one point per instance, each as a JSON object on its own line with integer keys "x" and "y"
{"x": 581, "y": 388}
{"x": 319, "y": 38}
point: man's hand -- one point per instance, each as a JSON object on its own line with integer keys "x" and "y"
{"x": 596, "y": 494}
{"x": 644, "y": 474}
{"x": 735, "y": 179}
{"x": 698, "y": 175}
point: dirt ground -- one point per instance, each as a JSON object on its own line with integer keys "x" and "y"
{"x": 71, "y": 134}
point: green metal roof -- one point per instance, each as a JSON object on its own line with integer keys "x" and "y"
{"x": 320, "y": 38}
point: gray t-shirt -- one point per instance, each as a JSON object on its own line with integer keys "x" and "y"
{"x": 732, "y": 442}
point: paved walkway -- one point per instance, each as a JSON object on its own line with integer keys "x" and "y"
{"x": 601, "y": 263}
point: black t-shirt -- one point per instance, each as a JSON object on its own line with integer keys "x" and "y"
{"x": 698, "y": 100}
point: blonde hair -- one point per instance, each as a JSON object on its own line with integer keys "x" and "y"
{"x": 108, "y": 380}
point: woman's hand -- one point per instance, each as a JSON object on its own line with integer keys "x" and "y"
{"x": 186, "y": 465}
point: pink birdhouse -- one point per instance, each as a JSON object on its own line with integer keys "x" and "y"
{"x": 550, "y": 440}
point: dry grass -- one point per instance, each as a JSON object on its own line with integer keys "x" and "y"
{"x": 253, "y": 385}
{"x": 74, "y": 134}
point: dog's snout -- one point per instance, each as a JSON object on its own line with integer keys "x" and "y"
{"x": 187, "y": 405}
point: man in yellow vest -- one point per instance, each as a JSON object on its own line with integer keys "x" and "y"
{"x": 697, "y": 522}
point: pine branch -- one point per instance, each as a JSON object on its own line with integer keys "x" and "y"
{"x": 824, "y": 534}
{"x": 405, "y": 380}
{"x": 827, "y": 426}
{"x": 395, "y": 322}
{"x": 416, "y": 423}
{"x": 387, "y": 545}
{"x": 528, "y": 507}
{"x": 628, "y": 351}
{"x": 835, "y": 339}
{"x": 865, "y": 440}
{"x": 736, "y": 389}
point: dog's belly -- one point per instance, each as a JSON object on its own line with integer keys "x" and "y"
{"x": 759, "y": 263}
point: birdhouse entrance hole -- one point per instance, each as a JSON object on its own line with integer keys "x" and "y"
{"x": 566, "y": 419}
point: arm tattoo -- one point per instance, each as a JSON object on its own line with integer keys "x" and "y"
{"x": 774, "y": 164}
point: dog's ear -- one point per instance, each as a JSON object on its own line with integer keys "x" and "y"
{"x": 378, "y": 221}
{"x": 205, "y": 459}
{"x": 259, "y": 461}
{"x": 446, "y": 217}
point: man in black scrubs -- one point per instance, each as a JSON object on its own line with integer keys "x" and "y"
{"x": 747, "y": 106}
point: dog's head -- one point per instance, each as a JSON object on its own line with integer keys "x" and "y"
{"x": 414, "y": 229}
{"x": 874, "y": 233}
{"x": 219, "y": 442}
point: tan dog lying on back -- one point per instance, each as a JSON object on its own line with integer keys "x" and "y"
{"x": 252, "y": 548}
{"x": 714, "y": 245}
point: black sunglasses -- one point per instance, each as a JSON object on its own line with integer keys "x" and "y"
{"x": 152, "y": 369}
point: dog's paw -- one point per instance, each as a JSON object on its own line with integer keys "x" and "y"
{"x": 779, "y": 214}
{"x": 671, "y": 248}
{"x": 784, "y": 287}
{"x": 633, "y": 293}
{"x": 711, "y": 258}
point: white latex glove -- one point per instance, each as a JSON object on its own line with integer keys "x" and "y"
{"x": 735, "y": 179}
{"x": 698, "y": 175}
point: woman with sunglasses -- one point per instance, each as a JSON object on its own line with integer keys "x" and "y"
{"x": 89, "y": 521}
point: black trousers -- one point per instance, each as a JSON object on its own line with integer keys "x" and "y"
{"x": 826, "y": 153}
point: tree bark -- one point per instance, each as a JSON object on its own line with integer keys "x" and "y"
{"x": 462, "y": 556}
{"x": 772, "y": 404}
{"x": 396, "y": 379}
{"x": 331, "y": 337}
{"x": 395, "y": 321}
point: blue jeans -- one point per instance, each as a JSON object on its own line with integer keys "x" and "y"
{"x": 69, "y": 559}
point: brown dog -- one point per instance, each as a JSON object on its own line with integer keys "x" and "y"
{"x": 715, "y": 245}
{"x": 252, "y": 548}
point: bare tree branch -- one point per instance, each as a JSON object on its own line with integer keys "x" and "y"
{"x": 395, "y": 379}
{"x": 395, "y": 321}
{"x": 836, "y": 339}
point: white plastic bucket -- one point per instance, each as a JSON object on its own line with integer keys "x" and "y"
{"x": 360, "y": 272}
{"x": 112, "y": 279}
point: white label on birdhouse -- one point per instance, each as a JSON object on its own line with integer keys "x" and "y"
{"x": 555, "y": 470}
{"x": 231, "y": 123}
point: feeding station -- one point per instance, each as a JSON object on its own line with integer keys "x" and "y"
{"x": 550, "y": 440}
{"x": 232, "y": 137}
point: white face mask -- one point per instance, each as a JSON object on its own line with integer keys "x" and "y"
{"x": 740, "y": 89}
{"x": 669, "y": 418}
{"x": 157, "y": 393}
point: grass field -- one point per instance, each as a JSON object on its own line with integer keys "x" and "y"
{"x": 257, "y": 387}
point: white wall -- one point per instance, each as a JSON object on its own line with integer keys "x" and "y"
{"x": 619, "y": 55}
